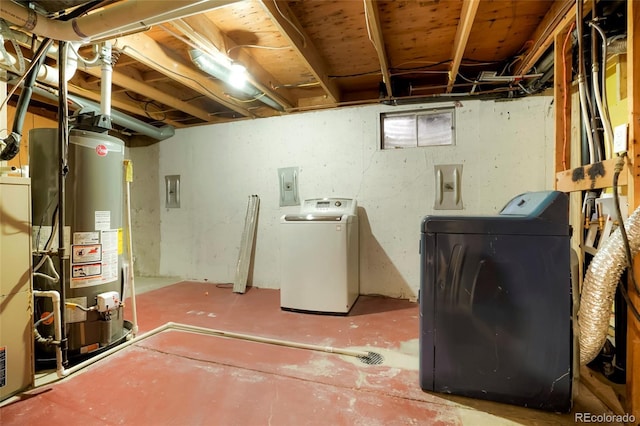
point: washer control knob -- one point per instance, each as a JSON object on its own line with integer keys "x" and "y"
{"x": 338, "y": 203}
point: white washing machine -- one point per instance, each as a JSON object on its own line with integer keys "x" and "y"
{"x": 319, "y": 255}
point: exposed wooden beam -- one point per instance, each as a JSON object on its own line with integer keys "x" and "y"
{"x": 633, "y": 81}
{"x": 589, "y": 177}
{"x": 467, "y": 16}
{"x": 147, "y": 51}
{"x": 154, "y": 76}
{"x": 129, "y": 107}
{"x": 126, "y": 61}
{"x": 130, "y": 82}
{"x": 284, "y": 19}
{"x": 562, "y": 96}
{"x": 559, "y": 16}
{"x": 375, "y": 30}
{"x": 201, "y": 30}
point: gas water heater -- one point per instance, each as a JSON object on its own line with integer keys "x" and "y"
{"x": 93, "y": 284}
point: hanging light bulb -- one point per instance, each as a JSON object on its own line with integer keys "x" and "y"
{"x": 238, "y": 76}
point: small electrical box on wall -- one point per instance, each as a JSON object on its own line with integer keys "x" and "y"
{"x": 288, "y": 179}
{"x": 448, "y": 187}
{"x": 172, "y": 191}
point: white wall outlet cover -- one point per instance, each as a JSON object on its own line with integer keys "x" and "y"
{"x": 448, "y": 195}
{"x": 172, "y": 191}
{"x": 288, "y": 180}
{"x": 620, "y": 138}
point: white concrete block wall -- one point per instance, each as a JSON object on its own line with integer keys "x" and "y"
{"x": 145, "y": 209}
{"x": 505, "y": 147}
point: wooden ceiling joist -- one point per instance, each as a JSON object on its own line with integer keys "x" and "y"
{"x": 560, "y": 14}
{"x": 284, "y": 19}
{"x": 375, "y": 32}
{"x": 129, "y": 107}
{"x": 135, "y": 85}
{"x": 147, "y": 51}
{"x": 203, "y": 31}
{"x": 467, "y": 16}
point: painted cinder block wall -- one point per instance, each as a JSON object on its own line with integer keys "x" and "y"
{"x": 505, "y": 147}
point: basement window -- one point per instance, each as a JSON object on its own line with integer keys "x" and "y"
{"x": 413, "y": 129}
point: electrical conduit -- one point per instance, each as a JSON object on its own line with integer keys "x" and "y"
{"x": 600, "y": 93}
{"x": 582, "y": 90}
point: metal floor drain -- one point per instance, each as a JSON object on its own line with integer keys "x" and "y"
{"x": 373, "y": 358}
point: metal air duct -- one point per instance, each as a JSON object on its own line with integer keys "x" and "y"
{"x": 117, "y": 117}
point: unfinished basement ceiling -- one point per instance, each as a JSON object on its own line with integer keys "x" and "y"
{"x": 308, "y": 54}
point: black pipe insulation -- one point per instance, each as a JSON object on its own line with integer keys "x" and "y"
{"x": 12, "y": 142}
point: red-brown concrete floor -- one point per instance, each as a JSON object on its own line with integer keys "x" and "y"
{"x": 183, "y": 378}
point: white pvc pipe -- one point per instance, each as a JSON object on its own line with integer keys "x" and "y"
{"x": 98, "y": 357}
{"x": 46, "y": 74}
{"x": 267, "y": 340}
{"x": 55, "y": 297}
{"x": 105, "y": 23}
{"x": 63, "y": 372}
{"x": 105, "y": 81}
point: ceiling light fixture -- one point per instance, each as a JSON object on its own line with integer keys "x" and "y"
{"x": 238, "y": 76}
{"x": 233, "y": 74}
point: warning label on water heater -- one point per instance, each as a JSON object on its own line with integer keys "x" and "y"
{"x": 102, "y": 220}
{"x": 95, "y": 260}
{"x": 87, "y": 270}
{"x": 86, "y": 253}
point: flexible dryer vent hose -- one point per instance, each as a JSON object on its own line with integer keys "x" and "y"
{"x": 599, "y": 288}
